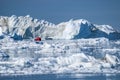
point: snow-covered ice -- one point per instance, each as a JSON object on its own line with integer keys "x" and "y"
{"x": 26, "y": 27}
{"x": 76, "y": 46}
{"x": 59, "y": 56}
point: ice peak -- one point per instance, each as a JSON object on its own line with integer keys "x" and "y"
{"x": 27, "y": 16}
{"x": 80, "y": 21}
{"x": 106, "y": 28}
{"x": 28, "y": 27}
{"x": 83, "y": 21}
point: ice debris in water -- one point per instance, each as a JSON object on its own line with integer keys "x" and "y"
{"x": 68, "y": 47}
{"x": 60, "y": 56}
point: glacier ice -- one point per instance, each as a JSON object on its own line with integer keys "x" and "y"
{"x": 25, "y": 27}
{"x": 94, "y": 55}
{"x": 76, "y": 46}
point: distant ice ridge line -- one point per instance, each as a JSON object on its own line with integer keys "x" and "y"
{"x": 25, "y": 27}
{"x": 22, "y": 27}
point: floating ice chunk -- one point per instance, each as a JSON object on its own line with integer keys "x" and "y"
{"x": 46, "y": 45}
{"x": 76, "y": 58}
{"x": 111, "y": 59}
{"x": 23, "y": 62}
{"x": 4, "y": 56}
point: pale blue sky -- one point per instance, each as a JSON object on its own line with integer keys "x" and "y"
{"x": 56, "y": 11}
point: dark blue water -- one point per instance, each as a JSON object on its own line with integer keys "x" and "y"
{"x": 63, "y": 77}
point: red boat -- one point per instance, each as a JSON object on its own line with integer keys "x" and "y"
{"x": 37, "y": 39}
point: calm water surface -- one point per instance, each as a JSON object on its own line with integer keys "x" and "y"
{"x": 63, "y": 77}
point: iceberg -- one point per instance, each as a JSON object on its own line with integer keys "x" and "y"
{"x": 94, "y": 55}
{"x": 25, "y": 27}
{"x": 76, "y": 46}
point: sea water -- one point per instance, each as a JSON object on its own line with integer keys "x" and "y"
{"x": 82, "y": 76}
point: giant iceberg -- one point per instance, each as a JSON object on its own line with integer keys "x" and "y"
{"x": 25, "y": 27}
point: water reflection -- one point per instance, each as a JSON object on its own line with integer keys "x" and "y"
{"x": 90, "y": 76}
{"x": 82, "y": 76}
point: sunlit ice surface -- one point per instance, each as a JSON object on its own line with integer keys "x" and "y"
{"x": 98, "y": 55}
{"x": 76, "y": 49}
